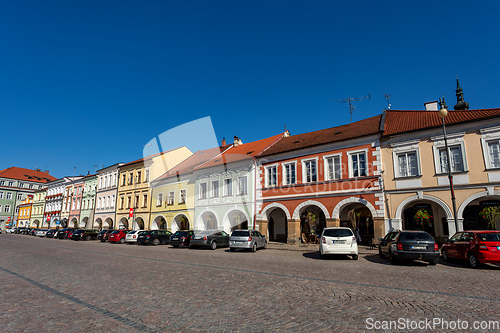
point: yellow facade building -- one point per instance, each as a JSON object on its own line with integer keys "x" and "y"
{"x": 24, "y": 212}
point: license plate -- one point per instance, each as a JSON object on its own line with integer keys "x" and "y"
{"x": 175, "y": 238}
{"x": 418, "y": 247}
{"x": 338, "y": 242}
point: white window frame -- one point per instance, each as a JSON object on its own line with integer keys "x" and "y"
{"x": 349, "y": 159}
{"x": 6, "y": 209}
{"x": 171, "y": 198}
{"x": 326, "y": 166}
{"x": 227, "y": 186}
{"x": 244, "y": 190}
{"x": 454, "y": 140}
{"x": 19, "y": 196}
{"x": 304, "y": 170}
{"x": 283, "y": 168}
{"x": 182, "y": 197}
{"x": 267, "y": 168}
{"x": 8, "y": 196}
{"x": 203, "y": 190}
{"x": 1, "y": 195}
{"x": 159, "y": 199}
{"x": 214, "y": 190}
{"x": 488, "y": 135}
{"x": 406, "y": 147}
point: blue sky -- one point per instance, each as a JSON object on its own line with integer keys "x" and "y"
{"x": 87, "y": 83}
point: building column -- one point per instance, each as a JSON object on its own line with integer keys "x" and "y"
{"x": 293, "y": 236}
{"x": 261, "y": 225}
{"x": 378, "y": 228}
{"x": 330, "y": 223}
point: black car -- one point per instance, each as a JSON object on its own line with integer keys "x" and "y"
{"x": 85, "y": 235}
{"x": 51, "y": 233}
{"x": 63, "y": 233}
{"x": 181, "y": 238}
{"x": 104, "y": 234}
{"x": 409, "y": 245}
{"x": 154, "y": 237}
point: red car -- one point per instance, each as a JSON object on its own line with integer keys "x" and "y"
{"x": 476, "y": 246}
{"x": 118, "y": 236}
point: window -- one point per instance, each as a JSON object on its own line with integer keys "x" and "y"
{"x": 99, "y": 203}
{"x": 357, "y": 163}
{"x": 407, "y": 164}
{"x": 228, "y": 187}
{"x": 112, "y": 201}
{"x": 11, "y": 184}
{"x": 145, "y": 200}
{"x": 493, "y": 154}
{"x": 121, "y": 202}
{"x": 123, "y": 180}
{"x": 136, "y": 201}
{"x": 1, "y": 195}
{"x": 138, "y": 176}
{"x": 78, "y": 204}
{"x": 159, "y": 200}
{"x": 215, "y": 188}
{"x": 288, "y": 173}
{"x": 19, "y": 196}
{"x": 21, "y": 185}
{"x": 242, "y": 185}
{"x": 0, "y": 208}
{"x": 108, "y": 199}
{"x": 310, "y": 173}
{"x": 182, "y": 199}
{"x": 171, "y": 198}
{"x": 203, "y": 190}
{"x": 30, "y": 186}
{"x": 2, "y": 182}
{"x": 333, "y": 167}
{"x": 271, "y": 176}
{"x": 129, "y": 202}
{"x": 456, "y": 159}
{"x": 131, "y": 178}
{"x": 147, "y": 175}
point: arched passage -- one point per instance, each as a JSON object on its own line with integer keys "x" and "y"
{"x": 123, "y": 224}
{"x": 98, "y": 223}
{"x": 109, "y": 222}
{"x": 159, "y": 222}
{"x": 180, "y": 222}
{"x": 84, "y": 222}
{"x": 138, "y": 224}
{"x": 235, "y": 219}
{"x": 472, "y": 209}
{"x": 74, "y": 222}
{"x": 207, "y": 221}
{"x": 312, "y": 215}
{"x": 277, "y": 224}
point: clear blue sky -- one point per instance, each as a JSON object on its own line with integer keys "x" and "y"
{"x": 92, "y": 82}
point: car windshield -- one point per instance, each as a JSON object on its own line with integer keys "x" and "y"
{"x": 337, "y": 232}
{"x": 180, "y": 233}
{"x": 416, "y": 236}
{"x": 490, "y": 237}
{"x": 243, "y": 233}
{"x": 205, "y": 233}
{"x": 115, "y": 232}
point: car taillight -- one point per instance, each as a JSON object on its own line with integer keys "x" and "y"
{"x": 205, "y": 238}
{"x": 353, "y": 240}
{"x": 323, "y": 240}
{"x": 183, "y": 238}
{"x": 483, "y": 247}
{"x": 249, "y": 239}
{"x": 436, "y": 247}
{"x": 400, "y": 246}
{"x": 135, "y": 236}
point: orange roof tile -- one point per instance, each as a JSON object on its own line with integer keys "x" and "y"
{"x": 26, "y": 175}
{"x": 340, "y": 133}
{"x": 242, "y": 152}
{"x": 404, "y": 121}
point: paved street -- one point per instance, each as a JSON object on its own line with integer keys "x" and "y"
{"x": 68, "y": 286}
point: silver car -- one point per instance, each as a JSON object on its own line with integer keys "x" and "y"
{"x": 247, "y": 239}
{"x": 209, "y": 238}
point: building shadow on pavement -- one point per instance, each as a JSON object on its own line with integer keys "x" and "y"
{"x": 317, "y": 256}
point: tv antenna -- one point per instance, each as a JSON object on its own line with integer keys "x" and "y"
{"x": 388, "y": 97}
{"x": 350, "y": 100}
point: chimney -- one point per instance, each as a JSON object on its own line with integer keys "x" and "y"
{"x": 37, "y": 170}
{"x": 223, "y": 143}
{"x": 46, "y": 171}
{"x": 237, "y": 141}
{"x": 431, "y": 106}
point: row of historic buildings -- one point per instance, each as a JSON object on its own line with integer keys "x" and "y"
{"x": 381, "y": 173}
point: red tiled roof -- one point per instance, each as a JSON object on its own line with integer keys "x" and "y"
{"x": 404, "y": 121}
{"x": 193, "y": 161}
{"x": 340, "y": 133}
{"x": 243, "y": 152}
{"x": 26, "y": 175}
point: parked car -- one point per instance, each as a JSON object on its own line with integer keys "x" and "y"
{"x": 409, "y": 245}
{"x": 41, "y": 232}
{"x": 51, "y": 233}
{"x": 154, "y": 237}
{"x": 209, "y": 238}
{"x": 10, "y": 230}
{"x": 338, "y": 240}
{"x": 118, "y": 236}
{"x": 247, "y": 239}
{"x": 63, "y": 233}
{"x": 18, "y": 230}
{"x": 476, "y": 246}
{"x": 181, "y": 238}
{"x": 85, "y": 235}
{"x": 104, "y": 235}
{"x": 131, "y": 237}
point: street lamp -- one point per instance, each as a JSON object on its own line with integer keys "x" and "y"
{"x": 443, "y": 112}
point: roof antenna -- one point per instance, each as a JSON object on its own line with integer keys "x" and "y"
{"x": 350, "y": 100}
{"x": 95, "y": 166}
{"x": 388, "y": 97}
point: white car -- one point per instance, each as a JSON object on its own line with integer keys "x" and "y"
{"x": 131, "y": 237}
{"x": 10, "y": 231}
{"x": 41, "y": 232}
{"x": 338, "y": 240}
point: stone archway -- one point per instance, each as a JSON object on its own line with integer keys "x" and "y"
{"x": 74, "y": 222}
{"x": 180, "y": 222}
{"x": 159, "y": 222}
{"x": 358, "y": 216}
{"x": 109, "y": 221}
{"x": 98, "y": 223}
{"x": 208, "y": 221}
{"x": 235, "y": 219}
{"x": 470, "y": 211}
{"x": 84, "y": 223}
{"x": 312, "y": 216}
{"x": 123, "y": 224}
{"x": 36, "y": 223}
{"x": 277, "y": 224}
{"x": 138, "y": 224}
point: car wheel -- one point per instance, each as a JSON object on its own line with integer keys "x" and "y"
{"x": 102, "y": 240}
{"x": 156, "y": 241}
{"x": 254, "y": 247}
{"x": 393, "y": 260}
{"x": 175, "y": 245}
{"x": 444, "y": 255}
{"x": 474, "y": 263}
{"x": 87, "y": 238}
{"x": 213, "y": 245}
{"x": 121, "y": 241}
{"x": 265, "y": 245}
{"x": 433, "y": 262}
{"x": 355, "y": 257}
{"x": 232, "y": 249}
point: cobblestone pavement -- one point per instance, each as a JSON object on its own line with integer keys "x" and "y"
{"x": 67, "y": 286}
